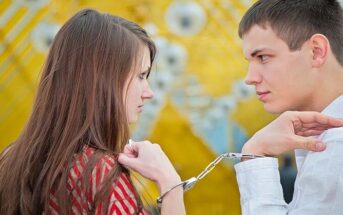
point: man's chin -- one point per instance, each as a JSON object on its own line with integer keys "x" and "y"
{"x": 273, "y": 109}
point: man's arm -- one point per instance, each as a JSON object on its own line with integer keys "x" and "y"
{"x": 259, "y": 185}
{"x": 259, "y": 179}
{"x": 318, "y": 188}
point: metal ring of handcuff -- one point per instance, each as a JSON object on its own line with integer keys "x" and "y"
{"x": 189, "y": 183}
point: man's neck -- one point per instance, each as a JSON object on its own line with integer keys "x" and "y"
{"x": 324, "y": 101}
{"x": 329, "y": 88}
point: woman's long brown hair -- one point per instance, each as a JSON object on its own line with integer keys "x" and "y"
{"x": 80, "y": 101}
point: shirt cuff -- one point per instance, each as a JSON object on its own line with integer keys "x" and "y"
{"x": 259, "y": 178}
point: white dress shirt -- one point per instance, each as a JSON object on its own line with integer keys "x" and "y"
{"x": 318, "y": 187}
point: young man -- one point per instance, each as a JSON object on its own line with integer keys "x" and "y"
{"x": 295, "y": 54}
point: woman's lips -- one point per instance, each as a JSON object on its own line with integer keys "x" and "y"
{"x": 140, "y": 108}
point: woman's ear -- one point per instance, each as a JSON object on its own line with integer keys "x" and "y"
{"x": 320, "y": 49}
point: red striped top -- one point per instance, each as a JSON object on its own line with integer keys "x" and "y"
{"x": 121, "y": 199}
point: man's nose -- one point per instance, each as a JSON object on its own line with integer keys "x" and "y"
{"x": 253, "y": 76}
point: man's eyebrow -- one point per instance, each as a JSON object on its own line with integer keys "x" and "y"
{"x": 255, "y": 52}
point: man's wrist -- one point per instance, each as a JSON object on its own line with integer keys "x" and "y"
{"x": 253, "y": 147}
{"x": 250, "y": 149}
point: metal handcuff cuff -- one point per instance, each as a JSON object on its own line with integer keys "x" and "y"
{"x": 188, "y": 184}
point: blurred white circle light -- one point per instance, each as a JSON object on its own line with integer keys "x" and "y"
{"x": 170, "y": 56}
{"x": 241, "y": 90}
{"x": 43, "y": 35}
{"x": 185, "y": 18}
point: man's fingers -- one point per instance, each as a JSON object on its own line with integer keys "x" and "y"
{"x": 310, "y": 117}
{"x": 333, "y": 122}
{"x": 310, "y": 132}
{"x": 309, "y": 143}
{"x": 315, "y": 125}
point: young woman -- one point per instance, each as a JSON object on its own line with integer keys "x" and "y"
{"x": 93, "y": 85}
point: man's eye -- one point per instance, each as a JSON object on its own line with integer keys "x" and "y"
{"x": 263, "y": 57}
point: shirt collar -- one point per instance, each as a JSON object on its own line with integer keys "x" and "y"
{"x": 335, "y": 108}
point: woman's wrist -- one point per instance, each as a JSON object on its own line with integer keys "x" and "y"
{"x": 171, "y": 193}
{"x": 168, "y": 181}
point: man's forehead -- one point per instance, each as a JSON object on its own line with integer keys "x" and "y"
{"x": 258, "y": 31}
{"x": 259, "y": 38}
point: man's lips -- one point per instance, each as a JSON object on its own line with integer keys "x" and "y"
{"x": 262, "y": 95}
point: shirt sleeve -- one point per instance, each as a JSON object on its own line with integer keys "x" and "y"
{"x": 318, "y": 188}
{"x": 260, "y": 188}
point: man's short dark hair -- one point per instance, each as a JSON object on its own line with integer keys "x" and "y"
{"x": 295, "y": 21}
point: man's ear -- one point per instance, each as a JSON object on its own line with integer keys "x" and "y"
{"x": 320, "y": 49}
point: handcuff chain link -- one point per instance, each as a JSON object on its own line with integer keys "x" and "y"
{"x": 211, "y": 166}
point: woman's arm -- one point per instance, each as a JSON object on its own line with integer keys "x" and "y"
{"x": 151, "y": 162}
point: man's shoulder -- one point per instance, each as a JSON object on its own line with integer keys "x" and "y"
{"x": 332, "y": 134}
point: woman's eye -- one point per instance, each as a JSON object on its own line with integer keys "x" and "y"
{"x": 142, "y": 76}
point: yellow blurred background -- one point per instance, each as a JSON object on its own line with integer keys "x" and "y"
{"x": 202, "y": 107}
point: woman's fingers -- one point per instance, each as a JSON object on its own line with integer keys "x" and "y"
{"x": 149, "y": 160}
{"x": 128, "y": 160}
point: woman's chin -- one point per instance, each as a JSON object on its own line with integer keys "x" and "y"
{"x": 133, "y": 119}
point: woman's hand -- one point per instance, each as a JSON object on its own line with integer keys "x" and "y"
{"x": 291, "y": 130}
{"x": 151, "y": 162}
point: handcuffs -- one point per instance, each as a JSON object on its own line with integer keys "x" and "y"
{"x": 189, "y": 183}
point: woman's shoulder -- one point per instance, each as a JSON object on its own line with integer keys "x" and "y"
{"x": 99, "y": 164}
{"x": 122, "y": 197}
{"x": 106, "y": 160}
